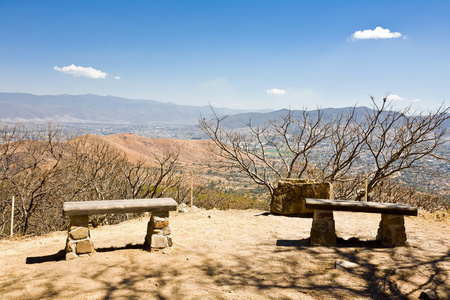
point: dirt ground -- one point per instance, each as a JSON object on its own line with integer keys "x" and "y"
{"x": 232, "y": 255}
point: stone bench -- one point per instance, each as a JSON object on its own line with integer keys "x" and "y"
{"x": 158, "y": 230}
{"x": 391, "y": 231}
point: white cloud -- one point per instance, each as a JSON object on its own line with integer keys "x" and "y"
{"x": 117, "y": 77}
{"x": 395, "y": 98}
{"x": 377, "y": 33}
{"x": 275, "y": 92}
{"x": 81, "y": 71}
{"x": 398, "y": 98}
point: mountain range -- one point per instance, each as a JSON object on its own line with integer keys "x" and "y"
{"x": 21, "y": 107}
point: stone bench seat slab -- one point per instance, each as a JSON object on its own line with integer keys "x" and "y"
{"x": 356, "y": 206}
{"x": 81, "y": 208}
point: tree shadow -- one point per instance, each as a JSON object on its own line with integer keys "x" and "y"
{"x": 288, "y": 269}
{"x": 268, "y": 271}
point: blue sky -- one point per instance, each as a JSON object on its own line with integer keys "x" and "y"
{"x": 236, "y": 54}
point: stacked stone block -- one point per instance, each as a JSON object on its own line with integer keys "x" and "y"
{"x": 290, "y": 194}
{"x": 391, "y": 231}
{"x": 323, "y": 229}
{"x": 158, "y": 232}
{"x": 79, "y": 239}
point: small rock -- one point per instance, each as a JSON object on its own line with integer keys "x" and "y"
{"x": 183, "y": 208}
{"x": 194, "y": 208}
{"x": 344, "y": 265}
{"x": 428, "y": 294}
{"x": 167, "y": 250}
{"x": 71, "y": 255}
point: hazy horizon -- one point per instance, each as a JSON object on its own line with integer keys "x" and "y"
{"x": 169, "y": 102}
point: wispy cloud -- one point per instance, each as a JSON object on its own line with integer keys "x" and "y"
{"x": 117, "y": 77}
{"x": 81, "y": 71}
{"x": 219, "y": 91}
{"x": 377, "y": 33}
{"x": 275, "y": 92}
{"x": 214, "y": 84}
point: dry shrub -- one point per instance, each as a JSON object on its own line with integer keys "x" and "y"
{"x": 438, "y": 215}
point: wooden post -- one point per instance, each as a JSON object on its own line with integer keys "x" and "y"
{"x": 365, "y": 190}
{"x": 12, "y": 217}
{"x": 192, "y": 187}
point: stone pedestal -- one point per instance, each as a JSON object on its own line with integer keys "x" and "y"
{"x": 290, "y": 194}
{"x": 79, "y": 239}
{"x": 158, "y": 232}
{"x": 392, "y": 230}
{"x": 323, "y": 230}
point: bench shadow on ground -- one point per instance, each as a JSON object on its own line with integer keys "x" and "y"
{"x": 304, "y": 216}
{"x": 302, "y": 243}
{"x": 126, "y": 247}
{"x": 341, "y": 243}
{"x": 61, "y": 255}
{"x": 58, "y": 256}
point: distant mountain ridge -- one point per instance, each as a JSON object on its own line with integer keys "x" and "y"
{"x": 260, "y": 119}
{"x": 22, "y": 107}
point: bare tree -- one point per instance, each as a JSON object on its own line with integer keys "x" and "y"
{"x": 292, "y": 147}
{"x": 164, "y": 176}
{"x": 42, "y": 172}
{"x": 29, "y": 163}
{"x": 390, "y": 190}
{"x": 9, "y": 137}
{"x": 400, "y": 139}
{"x": 182, "y": 191}
{"x": 151, "y": 181}
{"x": 279, "y": 149}
{"x": 91, "y": 168}
{"x": 136, "y": 176}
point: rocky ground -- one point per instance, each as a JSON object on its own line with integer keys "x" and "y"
{"x": 233, "y": 255}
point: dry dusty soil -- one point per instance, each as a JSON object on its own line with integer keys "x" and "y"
{"x": 232, "y": 255}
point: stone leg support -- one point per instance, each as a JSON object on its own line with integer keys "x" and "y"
{"x": 392, "y": 230}
{"x": 78, "y": 240}
{"x": 158, "y": 232}
{"x": 322, "y": 230}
